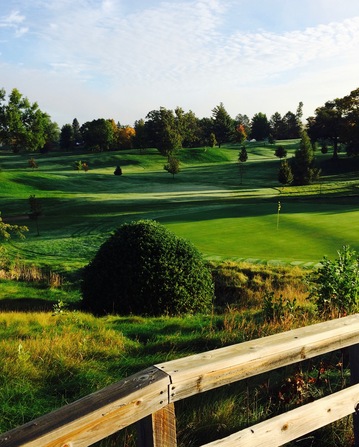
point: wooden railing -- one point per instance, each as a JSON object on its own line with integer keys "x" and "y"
{"x": 149, "y": 396}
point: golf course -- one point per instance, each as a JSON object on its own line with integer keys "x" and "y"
{"x": 260, "y": 237}
{"x": 250, "y": 217}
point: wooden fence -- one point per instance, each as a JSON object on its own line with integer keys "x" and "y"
{"x": 149, "y": 396}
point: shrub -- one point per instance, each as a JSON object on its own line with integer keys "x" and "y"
{"x": 145, "y": 269}
{"x": 335, "y": 285}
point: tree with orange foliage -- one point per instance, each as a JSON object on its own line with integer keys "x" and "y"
{"x": 125, "y": 136}
{"x": 240, "y": 133}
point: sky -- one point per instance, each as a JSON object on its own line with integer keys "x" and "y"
{"x": 120, "y": 59}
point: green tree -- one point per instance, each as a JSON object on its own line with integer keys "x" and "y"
{"x": 173, "y": 165}
{"x": 328, "y": 124}
{"x": 277, "y": 127}
{"x": 22, "y": 124}
{"x": 76, "y": 132}
{"x": 98, "y": 134}
{"x": 285, "y": 175}
{"x": 78, "y": 165}
{"x": 240, "y": 134}
{"x": 260, "y": 128}
{"x": 245, "y": 122}
{"x": 280, "y": 152}
{"x": 145, "y": 269}
{"x": 335, "y": 284}
{"x": 140, "y": 139}
{"x": 302, "y": 165}
{"x": 188, "y": 127}
{"x": 223, "y": 125}
{"x": 67, "y": 137}
{"x": 162, "y": 131}
{"x": 7, "y": 230}
{"x": 242, "y": 158}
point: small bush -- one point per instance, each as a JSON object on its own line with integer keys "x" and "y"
{"x": 145, "y": 269}
{"x": 335, "y": 285}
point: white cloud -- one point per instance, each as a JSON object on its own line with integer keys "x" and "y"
{"x": 192, "y": 53}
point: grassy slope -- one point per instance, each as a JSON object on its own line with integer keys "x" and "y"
{"x": 204, "y": 203}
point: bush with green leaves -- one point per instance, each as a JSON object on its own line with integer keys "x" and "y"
{"x": 145, "y": 269}
{"x": 335, "y": 285}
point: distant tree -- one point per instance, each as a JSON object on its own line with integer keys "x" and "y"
{"x": 35, "y": 211}
{"x": 125, "y": 137}
{"x": 351, "y": 122}
{"x": 205, "y": 129}
{"x": 245, "y": 122}
{"x": 78, "y": 165}
{"x": 328, "y": 124}
{"x": 285, "y": 175}
{"x": 32, "y": 163}
{"x": 302, "y": 166}
{"x": 223, "y": 124}
{"x": 76, "y": 132}
{"x": 280, "y": 152}
{"x": 22, "y": 124}
{"x": 242, "y": 158}
{"x": 98, "y": 134}
{"x": 162, "y": 131}
{"x": 173, "y": 165}
{"x": 140, "y": 140}
{"x": 85, "y": 166}
{"x": 299, "y": 117}
{"x": 277, "y": 127}
{"x": 240, "y": 134}
{"x": 66, "y": 137}
{"x": 188, "y": 126}
{"x": 212, "y": 140}
{"x": 260, "y": 126}
{"x": 337, "y": 122}
{"x": 118, "y": 170}
{"x": 290, "y": 126}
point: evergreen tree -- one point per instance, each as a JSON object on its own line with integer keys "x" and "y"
{"x": 285, "y": 175}
{"x": 223, "y": 125}
{"x": 303, "y": 168}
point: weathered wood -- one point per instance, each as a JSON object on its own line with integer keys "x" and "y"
{"x": 105, "y": 412}
{"x": 159, "y": 429}
{"x": 293, "y": 424}
{"x": 354, "y": 379}
{"x": 96, "y": 416}
{"x": 201, "y": 372}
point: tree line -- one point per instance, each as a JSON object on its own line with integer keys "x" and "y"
{"x": 23, "y": 126}
{"x": 169, "y": 130}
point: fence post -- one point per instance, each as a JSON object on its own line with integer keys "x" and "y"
{"x": 158, "y": 429}
{"x": 354, "y": 379}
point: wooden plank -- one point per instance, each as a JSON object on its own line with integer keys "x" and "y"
{"x": 354, "y": 379}
{"x": 202, "y": 372}
{"x": 293, "y": 424}
{"x": 96, "y": 416}
{"x": 159, "y": 429}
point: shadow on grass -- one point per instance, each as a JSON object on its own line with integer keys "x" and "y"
{"x": 26, "y": 305}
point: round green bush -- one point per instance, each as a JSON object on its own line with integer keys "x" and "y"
{"x": 145, "y": 269}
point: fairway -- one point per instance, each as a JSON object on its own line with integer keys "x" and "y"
{"x": 206, "y": 203}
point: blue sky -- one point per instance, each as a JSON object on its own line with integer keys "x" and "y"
{"x": 120, "y": 59}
